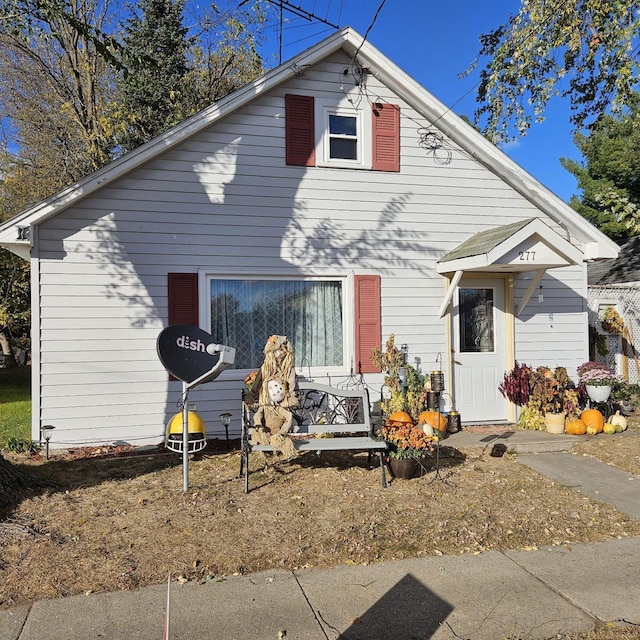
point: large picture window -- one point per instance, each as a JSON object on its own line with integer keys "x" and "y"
{"x": 244, "y": 313}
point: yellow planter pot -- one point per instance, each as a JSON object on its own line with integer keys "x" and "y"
{"x": 554, "y": 422}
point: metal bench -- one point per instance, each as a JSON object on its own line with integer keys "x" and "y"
{"x": 341, "y": 416}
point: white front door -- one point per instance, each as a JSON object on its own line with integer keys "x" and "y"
{"x": 479, "y": 358}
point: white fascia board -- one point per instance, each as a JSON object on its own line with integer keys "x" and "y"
{"x": 485, "y": 152}
{"x": 181, "y": 132}
{"x": 596, "y": 251}
{"x": 21, "y": 249}
{"x": 552, "y": 239}
{"x": 470, "y": 263}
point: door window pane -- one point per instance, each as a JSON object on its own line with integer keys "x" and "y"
{"x": 475, "y": 309}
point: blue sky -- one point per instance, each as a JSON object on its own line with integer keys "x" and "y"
{"x": 434, "y": 42}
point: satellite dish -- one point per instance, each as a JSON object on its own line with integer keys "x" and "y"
{"x": 187, "y": 352}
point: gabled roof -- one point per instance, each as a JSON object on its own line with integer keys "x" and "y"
{"x": 526, "y": 245}
{"x": 484, "y": 241}
{"x": 596, "y": 244}
{"x": 625, "y": 268}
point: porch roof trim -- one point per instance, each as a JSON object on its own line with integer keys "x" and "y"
{"x": 526, "y": 245}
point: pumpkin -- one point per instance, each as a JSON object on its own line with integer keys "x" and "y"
{"x": 619, "y": 420}
{"x": 433, "y": 418}
{"x": 575, "y": 427}
{"x": 428, "y": 429}
{"x": 400, "y": 417}
{"x": 609, "y": 428}
{"x": 593, "y": 418}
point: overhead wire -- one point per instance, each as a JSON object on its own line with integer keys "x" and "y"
{"x": 366, "y": 33}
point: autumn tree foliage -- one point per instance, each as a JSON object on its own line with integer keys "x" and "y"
{"x": 582, "y": 50}
{"x": 83, "y": 81}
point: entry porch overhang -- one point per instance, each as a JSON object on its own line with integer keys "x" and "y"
{"x": 527, "y": 245}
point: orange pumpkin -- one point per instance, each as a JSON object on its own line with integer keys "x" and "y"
{"x": 575, "y": 427}
{"x": 434, "y": 418}
{"x": 593, "y": 418}
{"x": 400, "y": 417}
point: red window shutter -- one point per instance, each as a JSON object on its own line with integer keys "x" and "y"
{"x": 386, "y": 137}
{"x": 183, "y": 298}
{"x": 368, "y": 329}
{"x": 300, "y": 130}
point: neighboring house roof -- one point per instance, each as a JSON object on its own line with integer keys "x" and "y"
{"x": 624, "y": 268}
{"x": 596, "y": 244}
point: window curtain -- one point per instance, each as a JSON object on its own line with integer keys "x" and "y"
{"x": 244, "y": 313}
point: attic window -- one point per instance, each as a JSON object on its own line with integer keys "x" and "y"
{"x": 324, "y": 133}
{"x": 23, "y": 233}
{"x": 343, "y": 137}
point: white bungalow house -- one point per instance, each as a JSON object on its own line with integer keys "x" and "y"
{"x": 334, "y": 200}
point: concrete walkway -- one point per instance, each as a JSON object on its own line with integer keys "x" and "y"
{"x": 528, "y": 595}
{"x": 518, "y": 594}
{"x": 592, "y": 478}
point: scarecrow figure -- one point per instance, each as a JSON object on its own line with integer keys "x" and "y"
{"x": 276, "y": 395}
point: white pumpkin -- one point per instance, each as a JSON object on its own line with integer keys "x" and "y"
{"x": 428, "y": 429}
{"x": 617, "y": 419}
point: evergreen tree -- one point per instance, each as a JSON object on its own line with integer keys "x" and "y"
{"x": 155, "y": 59}
{"x": 609, "y": 177}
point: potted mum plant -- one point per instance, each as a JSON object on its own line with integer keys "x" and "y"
{"x": 597, "y": 380}
{"x": 408, "y": 446}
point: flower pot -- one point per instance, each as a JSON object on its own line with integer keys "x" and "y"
{"x": 554, "y": 422}
{"x": 598, "y": 394}
{"x": 405, "y": 468}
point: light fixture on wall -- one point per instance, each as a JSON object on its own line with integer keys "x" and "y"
{"x": 540, "y": 295}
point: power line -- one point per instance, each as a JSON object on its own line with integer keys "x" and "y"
{"x": 366, "y": 33}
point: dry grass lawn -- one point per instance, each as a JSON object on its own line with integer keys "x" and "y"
{"x": 112, "y": 520}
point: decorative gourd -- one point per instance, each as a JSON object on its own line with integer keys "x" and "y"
{"x": 618, "y": 428}
{"x": 428, "y": 429}
{"x": 618, "y": 419}
{"x": 400, "y": 417}
{"x": 591, "y": 430}
{"x": 609, "y": 428}
{"x": 575, "y": 427}
{"x": 593, "y": 418}
{"x": 433, "y": 418}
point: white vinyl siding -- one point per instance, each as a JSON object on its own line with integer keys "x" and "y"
{"x": 224, "y": 202}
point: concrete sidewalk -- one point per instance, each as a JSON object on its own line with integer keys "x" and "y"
{"x": 530, "y": 595}
{"x": 493, "y": 595}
